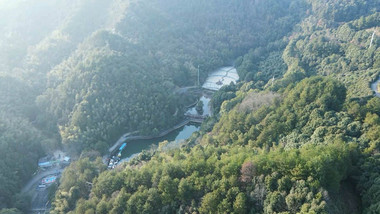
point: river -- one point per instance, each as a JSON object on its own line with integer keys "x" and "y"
{"x": 216, "y": 79}
{"x": 136, "y": 146}
{"x": 206, "y": 107}
{"x": 221, "y": 77}
{"x": 375, "y": 88}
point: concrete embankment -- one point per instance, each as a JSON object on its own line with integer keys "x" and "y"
{"x": 129, "y": 136}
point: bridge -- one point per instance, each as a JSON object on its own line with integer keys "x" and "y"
{"x": 196, "y": 117}
{"x": 40, "y": 210}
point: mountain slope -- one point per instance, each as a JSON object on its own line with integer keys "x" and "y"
{"x": 299, "y": 144}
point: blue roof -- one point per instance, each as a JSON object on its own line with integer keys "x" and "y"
{"x": 122, "y": 146}
{"x": 49, "y": 180}
{"x": 48, "y": 163}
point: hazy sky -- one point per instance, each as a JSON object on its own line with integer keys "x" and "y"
{"x": 7, "y": 4}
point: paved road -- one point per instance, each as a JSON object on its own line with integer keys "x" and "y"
{"x": 38, "y": 177}
{"x": 40, "y": 200}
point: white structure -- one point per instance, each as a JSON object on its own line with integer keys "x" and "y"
{"x": 221, "y": 77}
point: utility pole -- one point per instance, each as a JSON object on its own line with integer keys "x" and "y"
{"x": 198, "y": 77}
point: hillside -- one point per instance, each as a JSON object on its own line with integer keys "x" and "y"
{"x": 302, "y": 148}
{"x": 160, "y": 47}
{"x": 298, "y": 134}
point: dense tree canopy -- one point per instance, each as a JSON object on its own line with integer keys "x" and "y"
{"x": 291, "y": 153}
{"x": 302, "y": 148}
{"x": 159, "y": 45}
{"x": 280, "y": 140}
{"x": 20, "y": 142}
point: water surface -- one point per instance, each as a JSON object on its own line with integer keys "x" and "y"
{"x": 206, "y": 107}
{"x": 136, "y": 146}
{"x": 219, "y": 78}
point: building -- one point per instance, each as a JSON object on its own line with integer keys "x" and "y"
{"x": 49, "y": 179}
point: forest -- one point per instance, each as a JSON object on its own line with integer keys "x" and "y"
{"x": 309, "y": 158}
{"x": 299, "y": 133}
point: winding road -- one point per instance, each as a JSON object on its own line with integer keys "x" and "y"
{"x": 38, "y": 177}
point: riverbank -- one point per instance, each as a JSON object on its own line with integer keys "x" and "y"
{"x": 217, "y": 79}
{"x": 127, "y": 137}
{"x": 135, "y": 147}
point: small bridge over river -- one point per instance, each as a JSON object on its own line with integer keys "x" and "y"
{"x": 195, "y": 118}
{"x": 223, "y": 76}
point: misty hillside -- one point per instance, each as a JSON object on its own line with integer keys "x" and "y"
{"x": 298, "y": 133}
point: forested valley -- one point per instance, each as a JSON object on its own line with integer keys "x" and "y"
{"x": 299, "y": 133}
